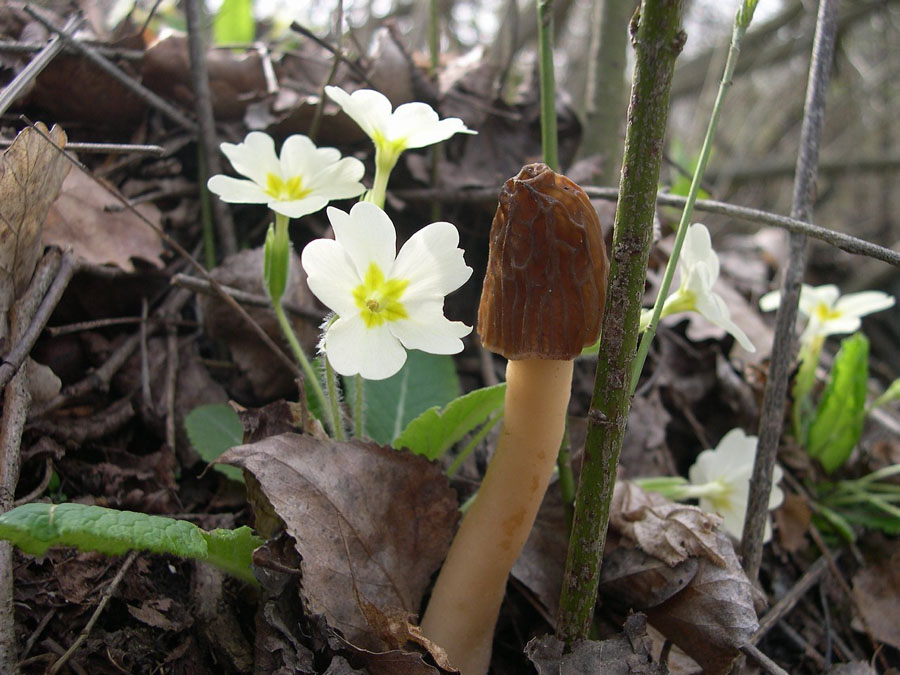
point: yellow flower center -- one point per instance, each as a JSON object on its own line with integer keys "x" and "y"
{"x": 719, "y": 494}
{"x": 378, "y": 298}
{"x": 285, "y": 190}
{"x": 825, "y": 313}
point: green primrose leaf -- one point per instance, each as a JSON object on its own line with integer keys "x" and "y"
{"x": 213, "y": 429}
{"x": 36, "y": 527}
{"x": 426, "y": 380}
{"x": 838, "y": 422}
{"x": 234, "y": 22}
{"x": 437, "y": 429}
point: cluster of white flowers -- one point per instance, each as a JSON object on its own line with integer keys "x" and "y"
{"x": 384, "y": 302}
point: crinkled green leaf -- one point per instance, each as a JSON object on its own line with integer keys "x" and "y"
{"x": 425, "y": 381}
{"x": 36, "y": 527}
{"x": 838, "y": 423}
{"x": 213, "y": 429}
{"x": 437, "y": 429}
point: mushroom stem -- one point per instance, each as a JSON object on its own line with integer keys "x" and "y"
{"x": 466, "y": 599}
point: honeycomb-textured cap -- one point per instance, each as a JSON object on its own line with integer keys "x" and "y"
{"x": 545, "y": 284}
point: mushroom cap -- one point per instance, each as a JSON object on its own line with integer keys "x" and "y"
{"x": 545, "y": 285}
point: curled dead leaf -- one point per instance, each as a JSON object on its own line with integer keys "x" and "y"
{"x": 371, "y": 525}
{"x": 31, "y": 173}
{"x": 664, "y": 529}
{"x": 625, "y": 654}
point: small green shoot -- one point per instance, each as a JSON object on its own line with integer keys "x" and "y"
{"x": 36, "y": 527}
{"x": 838, "y": 423}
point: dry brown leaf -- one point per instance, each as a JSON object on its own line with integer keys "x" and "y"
{"x": 370, "y": 523}
{"x": 876, "y": 588}
{"x": 87, "y": 219}
{"x": 31, "y": 173}
{"x": 664, "y": 529}
{"x": 632, "y": 579}
{"x": 714, "y": 615}
{"x": 625, "y": 654}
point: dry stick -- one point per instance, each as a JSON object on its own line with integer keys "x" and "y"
{"x": 784, "y": 606}
{"x": 34, "y": 67}
{"x": 658, "y": 41}
{"x": 116, "y": 73}
{"x": 180, "y": 250}
{"x": 335, "y": 62}
{"x": 106, "y": 148}
{"x": 16, "y": 401}
{"x": 774, "y": 398}
{"x": 839, "y": 240}
{"x": 250, "y": 299}
{"x": 53, "y": 276}
{"x": 172, "y": 359}
{"x": 107, "y": 594}
{"x": 206, "y": 126}
{"x": 762, "y": 660}
{"x": 10, "y": 47}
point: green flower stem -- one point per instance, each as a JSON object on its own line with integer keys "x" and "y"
{"x": 334, "y": 407}
{"x": 658, "y": 40}
{"x": 741, "y": 22}
{"x": 566, "y": 479}
{"x": 359, "y": 406}
{"x": 384, "y": 164}
{"x": 312, "y": 378}
{"x": 548, "y": 84}
{"x": 802, "y": 412}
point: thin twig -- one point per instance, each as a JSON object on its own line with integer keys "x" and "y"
{"x": 762, "y": 660}
{"x": 28, "y": 74}
{"x": 303, "y": 30}
{"x": 775, "y": 396}
{"x": 11, "y": 47}
{"x": 338, "y": 54}
{"x": 52, "y": 277}
{"x": 106, "y": 148}
{"x": 115, "y": 72}
{"x": 784, "y": 606}
{"x": 250, "y": 299}
{"x": 172, "y": 359}
{"x": 839, "y": 240}
{"x": 206, "y": 126}
{"x": 39, "y": 490}
{"x": 107, "y": 595}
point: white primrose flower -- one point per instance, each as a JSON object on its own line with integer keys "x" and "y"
{"x": 698, "y": 267}
{"x": 721, "y": 480}
{"x": 301, "y": 181}
{"x": 385, "y": 302}
{"x": 829, "y": 312}
{"x": 411, "y": 125}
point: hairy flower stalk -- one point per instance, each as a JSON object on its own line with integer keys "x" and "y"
{"x": 540, "y": 306}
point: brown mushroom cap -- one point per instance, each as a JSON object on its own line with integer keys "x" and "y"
{"x": 545, "y": 284}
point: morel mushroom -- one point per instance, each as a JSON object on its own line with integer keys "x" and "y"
{"x": 541, "y": 304}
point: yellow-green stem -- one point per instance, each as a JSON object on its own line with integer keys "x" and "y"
{"x": 548, "y": 84}
{"x": 312, "y": 379}
{"x": 359, "y": 407}
{"x": 334, "y": 405}
{"x": 741, "y": 22}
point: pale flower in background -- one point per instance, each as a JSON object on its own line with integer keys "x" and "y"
{"x": 411, "y": 125}
{"x": 698, "y": 266}
{"x": 720, "y": 478}
{"x": 386, "y": 302}
{"x": 299, "y": 182}
{"x": 829, "y": 312}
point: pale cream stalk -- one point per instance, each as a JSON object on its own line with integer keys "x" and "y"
{"x": 466, "y": 599}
